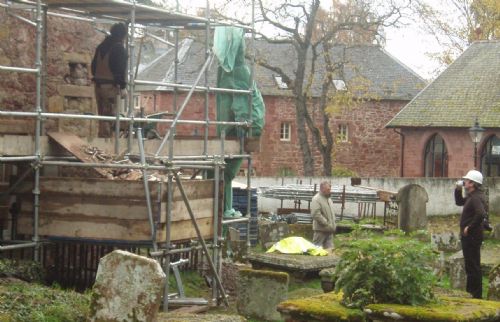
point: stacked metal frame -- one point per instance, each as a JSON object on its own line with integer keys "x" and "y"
{"x": 133, "y": 13}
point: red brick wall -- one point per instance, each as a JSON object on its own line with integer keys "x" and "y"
{"x": 370, "y": 151}
{"x": 458, "y": 144}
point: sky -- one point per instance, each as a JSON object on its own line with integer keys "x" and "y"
{"x": 409, "y": 44}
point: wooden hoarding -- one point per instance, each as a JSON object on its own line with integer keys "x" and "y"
{"x": 91, "y": 208}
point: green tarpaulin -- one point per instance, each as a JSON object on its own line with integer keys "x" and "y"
{"x": 233, "y": 73}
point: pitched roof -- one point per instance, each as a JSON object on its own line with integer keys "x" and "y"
{"x": 468, "y": 88}
{"x": 382, "y": 75}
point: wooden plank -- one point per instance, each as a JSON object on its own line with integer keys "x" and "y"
{"x": 129, "y": 230}
{"x": 74, "y": 144}
{"x": 124, "y": 209}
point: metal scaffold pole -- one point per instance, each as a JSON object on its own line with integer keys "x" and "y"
{"x": 38, "y": 128}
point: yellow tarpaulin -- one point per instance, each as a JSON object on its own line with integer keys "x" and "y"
{"x": 297, "y": 245}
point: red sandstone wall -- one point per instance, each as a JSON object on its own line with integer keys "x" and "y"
{"x": 458, "y": 143}
{"x": 195, "y": 110}
{"x": 17, "y": 48}
{"x": 371, "y": 150}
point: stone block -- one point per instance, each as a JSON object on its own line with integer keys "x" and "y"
{"x": 447, "y": 242}
{"x": 456, "y": 268}
{"x": 72, "y": 57}
{"x": 271, "y": 232}
{"x": 496, "y": 232}
{"x": 260, "y": 292}
{"x": 128, "y": 287}
{"x": 494, "y": 284}
{"x": 56, "y": 104}
{"x": 75, "y": 91}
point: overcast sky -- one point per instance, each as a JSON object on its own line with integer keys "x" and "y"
{"x": 408, "y": 44}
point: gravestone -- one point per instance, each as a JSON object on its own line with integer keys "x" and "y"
{"x": 494, "y": 284}
{"x": 496, "y": 232}
{"x": 128, "y": 287}
{"x": 412, "y": 204}
{"x": 456, "y": 267}
{"x": 272, "y": 232}
{"x": 260, "y": 292}
{"x": 447, "y": 241}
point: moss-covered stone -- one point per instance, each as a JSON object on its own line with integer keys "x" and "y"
{"x": 280, "y": 277}
{"x": 494, "y": 284}
{"x": 324, "y": 307}
{"x": 259, "y": 292}
{"x": 447, "y": 309}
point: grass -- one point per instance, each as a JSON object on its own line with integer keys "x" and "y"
{"x": 32, "y": 302}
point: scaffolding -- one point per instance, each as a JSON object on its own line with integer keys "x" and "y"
{"x": 110, "y": 11}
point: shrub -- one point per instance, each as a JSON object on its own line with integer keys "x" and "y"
{"x": 339, "y": 171}
{"x": 386, "y": 271}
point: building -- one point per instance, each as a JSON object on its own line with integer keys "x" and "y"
{"x": 435, "y": 124}
{"x": 362, "y": 145}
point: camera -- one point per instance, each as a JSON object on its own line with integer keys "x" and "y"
{"x": 459, "y": 183}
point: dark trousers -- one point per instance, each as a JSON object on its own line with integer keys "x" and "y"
{"x": 471, "y": 249}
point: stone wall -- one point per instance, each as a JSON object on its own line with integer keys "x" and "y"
{"x": 70, "y": 48}
{"x": 439, "y": 190}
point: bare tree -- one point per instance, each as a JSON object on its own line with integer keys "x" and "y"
{"x": 455, "y": 24}
{"x": 312, "y": 32}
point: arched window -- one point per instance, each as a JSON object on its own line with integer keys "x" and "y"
{"x": 490, "y": 157}
{"x": 436, "y": 157}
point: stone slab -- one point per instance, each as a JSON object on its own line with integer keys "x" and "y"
{"x": 302, "y": 263}
{"x": 128, "y": 288}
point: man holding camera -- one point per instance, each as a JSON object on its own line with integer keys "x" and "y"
{"x": 471, "y": 227}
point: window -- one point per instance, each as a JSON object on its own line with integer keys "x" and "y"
{"x": 285, "y": 131}
{"x": 137, "y": 102}
{"x": 436, "y": 157}
{"x": 339, "y": 85}
{"x": 279, "y": 81}
{"x": 490, "y": 157}
{"x": 343, "y": 133}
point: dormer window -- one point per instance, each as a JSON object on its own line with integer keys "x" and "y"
{"x": 279, "y": 81}
{"x": 339, "y": 85}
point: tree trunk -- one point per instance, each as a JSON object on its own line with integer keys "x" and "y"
{"x": 307, "y": 157}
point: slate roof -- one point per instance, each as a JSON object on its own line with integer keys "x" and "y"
{"x": 382, "y": 75}
{"x": 468, "y": 88}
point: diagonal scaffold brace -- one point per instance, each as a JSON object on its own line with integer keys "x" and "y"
{"x": 202, "y": 241}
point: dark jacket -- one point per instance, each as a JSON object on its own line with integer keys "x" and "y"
{"x": 473, "y": 213}
{"x": 109, "y": 65}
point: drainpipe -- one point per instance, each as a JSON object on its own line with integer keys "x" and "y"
{"x": 401, "y": 171}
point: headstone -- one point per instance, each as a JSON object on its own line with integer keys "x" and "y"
{"x": 456, "y": 267}
{"x": 447, "y": 241}
{"x": 494, "y": 284}
{"x": 328, "y": 279}
{"x": 128, "y": 287}
{"x": 496, "y": 232}
{"x": 412, "y": 200}
{"x": 260, "y": 292}
{"x": 272, "y": 232}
